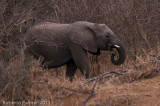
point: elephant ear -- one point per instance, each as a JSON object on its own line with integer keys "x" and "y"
{"x": 84, "y": 35}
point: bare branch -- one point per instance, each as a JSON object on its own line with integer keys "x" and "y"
{"x": 93, "y": 93}
{"x": 108, "y": 74}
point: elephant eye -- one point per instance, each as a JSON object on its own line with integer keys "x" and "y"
{"x": 107, "y": 36}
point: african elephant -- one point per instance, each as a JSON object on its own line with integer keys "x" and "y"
{"x": 61, "y": 44}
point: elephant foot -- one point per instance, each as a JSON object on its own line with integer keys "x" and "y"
{"x": 87, "y": 75}
{"x": 71, "y": 70}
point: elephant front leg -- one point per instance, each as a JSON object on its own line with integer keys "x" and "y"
{"x": 71, "y": 69}
{"x": 80, "y": 58}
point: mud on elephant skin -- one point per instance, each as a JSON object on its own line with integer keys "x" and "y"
{"x": 61, "y": 44}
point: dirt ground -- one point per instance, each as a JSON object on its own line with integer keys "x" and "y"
{"x": 145, "y": 92}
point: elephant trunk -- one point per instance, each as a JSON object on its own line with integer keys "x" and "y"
{"x": 122, "y": 55}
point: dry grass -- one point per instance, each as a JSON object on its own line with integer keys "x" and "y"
{"x": 135, "y": 22}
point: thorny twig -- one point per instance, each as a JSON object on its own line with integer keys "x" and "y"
{"x": 93, "y": 93}
{"x": 108, "y": 75}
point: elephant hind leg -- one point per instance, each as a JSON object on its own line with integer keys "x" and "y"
{"x": 71, "y": 69}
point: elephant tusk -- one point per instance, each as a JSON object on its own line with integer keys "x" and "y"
{"x": 116, "y": 46}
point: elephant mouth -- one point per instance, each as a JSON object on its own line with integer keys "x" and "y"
{"x": 110, "y": 47}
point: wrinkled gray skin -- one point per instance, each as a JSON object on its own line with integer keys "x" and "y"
{"x": 60, "y": 44}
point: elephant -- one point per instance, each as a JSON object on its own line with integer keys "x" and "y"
{"x": 68, "y": 44}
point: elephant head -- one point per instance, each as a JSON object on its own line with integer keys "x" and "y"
{"x": 93, "y": 37}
